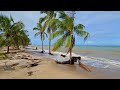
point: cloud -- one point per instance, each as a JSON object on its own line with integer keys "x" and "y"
{"x": 97, "y": 17}
{"x": 103, "y": 26}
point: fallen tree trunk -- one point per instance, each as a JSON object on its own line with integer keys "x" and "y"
{"x": 74, "y": 59}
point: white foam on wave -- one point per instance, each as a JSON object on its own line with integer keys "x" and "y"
{"x": 88, "y": 60}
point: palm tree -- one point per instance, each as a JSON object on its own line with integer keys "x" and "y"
{"x": 10, "y": 32}
{"x": 19, "y": 34}
{"x": 50, "y": 25}
{"x": 40, "y": 32}
{"x": 67, "y": 30}
{"x": 6, "y": 25}
{"x": 23, "y": 38}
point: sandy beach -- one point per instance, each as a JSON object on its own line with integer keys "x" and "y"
{"x": 48, "y": 68}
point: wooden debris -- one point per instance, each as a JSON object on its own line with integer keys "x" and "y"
{"x": 85, "y": 67}
{"x": 30, "y": 73}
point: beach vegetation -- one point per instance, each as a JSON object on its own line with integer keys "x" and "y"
{"x": 66, "y": 31}
{"x": 12, "y": 33}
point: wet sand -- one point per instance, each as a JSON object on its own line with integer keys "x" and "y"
{"x": 48, "y": 69}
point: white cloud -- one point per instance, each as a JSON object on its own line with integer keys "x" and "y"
{"x": 97, "y": 17}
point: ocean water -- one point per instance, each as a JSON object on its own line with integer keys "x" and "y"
{"x": 97, "y": 56}
{"x": 110, "y": 52}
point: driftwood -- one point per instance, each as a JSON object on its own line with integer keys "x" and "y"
{"x": 63, "y": 55}
{"x": 50, "y": 53}
{"x": 30, "y": 73}
{"x": 85, "y": 67}
{"x": 42, "y": 51}
{"x": 74, "y": 59}
{"x": 29, "y": 58}
{"x": 34, "y": 64}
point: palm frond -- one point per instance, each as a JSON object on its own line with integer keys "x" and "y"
{"x": 63, "y": 15}
{"x": 54, "y": 24}
{"x": 82, "y": 33}
{"x": 39, "y": 25}
{"x": 35, "y": 28}
{"x": 45, "y": 25}
{"x": 45, "y": 34}
{"x": 86, "y": 36}
{"x": 79, "y": 26}
{"x": 56, "y": 33}
{"x": 69, "y": 39}
{"x": 42, "y": 19}
{"x": 11, "y": 19}
{"x": 41, "y": 12}
{"x": 59, "y": 43}
{"x": 36, "y": 34}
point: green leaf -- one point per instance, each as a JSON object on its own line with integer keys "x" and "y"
{"x": 36, "y": 34}
{"x": 79, "y": 26}
{"x": 69, "y": 39}
{"x": 56, "y": 33}
{"x": 86, "y": 36}
{"x": 11, "y": 19}
{"x": 46, "y": 34}
{"x": 59, "y": 43}
{"x": 42, "y": 19}
{"x": 35, "y": 28}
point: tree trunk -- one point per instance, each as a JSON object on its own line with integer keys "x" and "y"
{"x": 42, "y": 46}
{"x": 49, "y": 43}
{"x": 70, "y": 56}
{"x": 7, "y": 49}
{"x": 49, "y": 46}
{"x": 17, "y": 46}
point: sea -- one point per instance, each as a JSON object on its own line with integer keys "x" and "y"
{"x": 92, "y": 55}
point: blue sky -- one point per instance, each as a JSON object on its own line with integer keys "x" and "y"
{"x": 103, "y": 26}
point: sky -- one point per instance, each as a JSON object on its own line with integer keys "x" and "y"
{"x": 103, "y": 26}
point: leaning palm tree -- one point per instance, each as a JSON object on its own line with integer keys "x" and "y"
{"x": 50, "y": 25}
{"x": 67, "y": 30}
{"x": 40, "y": 32}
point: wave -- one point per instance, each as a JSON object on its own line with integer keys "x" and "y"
{"x": 88, "y": 60}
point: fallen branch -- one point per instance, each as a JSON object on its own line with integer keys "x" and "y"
{"x": 85, "y": 67}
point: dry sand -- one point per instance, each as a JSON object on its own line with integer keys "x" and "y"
{"x": 48, "y": 69}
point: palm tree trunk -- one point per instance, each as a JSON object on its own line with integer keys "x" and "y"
{"x": 17, "y": 46}
{"x": 49, "y": 43}
{"x": 42, "y": 45}
{"x": 49, "y": 46}
{"x": 70, "y": 56}
{"x": 7, "y": 49}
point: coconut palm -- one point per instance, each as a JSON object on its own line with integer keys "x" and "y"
{"x": 19, "y": 34}
{"x": 50, "y": 25}
{"x": 10, "y": 31}
{"x": 66, "y": 31}
{"x": 6, "y": 25}
{"x": 23, "y": 38}
{"x": 40, "y": 32}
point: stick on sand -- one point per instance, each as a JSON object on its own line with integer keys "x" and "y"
{"x": 84, "y": 67}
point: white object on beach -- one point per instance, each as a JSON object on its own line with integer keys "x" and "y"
{"x": 60, "y": 58}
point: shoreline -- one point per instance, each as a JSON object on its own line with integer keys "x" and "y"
{"x": 48, "y": 69}
{"x": 98, "y": 62}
